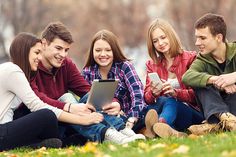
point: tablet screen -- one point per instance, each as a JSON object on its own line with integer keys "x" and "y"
{"x": 102, "y": 93}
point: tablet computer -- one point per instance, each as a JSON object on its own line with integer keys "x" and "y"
{"x": 102, "y": 93}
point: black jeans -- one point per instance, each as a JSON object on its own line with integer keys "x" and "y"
{"x": 67, "y": 134}
{"x": 29, "y": 129}
{"x": 214, "y": 102}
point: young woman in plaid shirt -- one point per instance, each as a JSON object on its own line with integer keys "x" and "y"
{"x": 107, "y": 61}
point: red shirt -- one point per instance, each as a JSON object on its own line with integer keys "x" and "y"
{"x": 49, "y": 86}
{"x": 180, "y": 64}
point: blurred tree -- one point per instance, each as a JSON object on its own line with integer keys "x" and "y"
{"x": 184, "y": 13}
{"x": 128, "y": 19}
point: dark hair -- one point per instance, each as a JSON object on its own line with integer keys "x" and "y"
{"x": 57, "y": 30}
{"x": 215, "y": 23}
{"x": 20, "y": 49}
{"x": 112, "y": 41}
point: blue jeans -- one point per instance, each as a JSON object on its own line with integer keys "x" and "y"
{"x": 176, "y": 113}
{"x": 94, "y": 132}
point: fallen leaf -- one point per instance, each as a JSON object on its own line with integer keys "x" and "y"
{"x": 158, "y": 145}
{"x": 192, "y": 136}
{"x": 229, "y": 154}
{"x": 182, "y": 149}
{"x": 112, "y": 147}
{"x": 144, "y": 146}
{"x": 89, "y": 147}
{"x": 125, "y": 145}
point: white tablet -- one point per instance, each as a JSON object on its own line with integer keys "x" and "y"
{"x": 102, "y": 92}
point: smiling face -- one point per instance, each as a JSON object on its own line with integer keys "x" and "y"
{"x": 35, "y": 56}
{"x": 160, "y": 41}
{"x": 102, "y": 53}
{"x": 205, "y": 41}
{"x": 54, "y": 53}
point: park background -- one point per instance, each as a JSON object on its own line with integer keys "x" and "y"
{"x": 128, "y": 19}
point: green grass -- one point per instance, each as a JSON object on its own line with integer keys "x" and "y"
{"x": 214, "y": 145}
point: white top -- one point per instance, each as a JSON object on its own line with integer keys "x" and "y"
{"x": 15, "y": 89}
{"x": 174, "y": 83}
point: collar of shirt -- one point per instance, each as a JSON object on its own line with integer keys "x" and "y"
{"x": 111, "y": 73}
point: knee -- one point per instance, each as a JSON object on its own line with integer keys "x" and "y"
{"x": 68, "y": 98}
{"x": 48, "y": 115}
{"x": 207, "y": 89}
{"x": 171, "y": 101}
{"x": 68, "y": 95}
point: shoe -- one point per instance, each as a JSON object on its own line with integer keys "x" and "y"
{"x": 228, "y": 121}
{"x": 112, "y": 135}
{"x": 150, "y": 119}
{"x": 204, "y": 128}
{"x": 48, "y": 143}
{"x": 164, "y": 130}
{"x": 130, "y": 133}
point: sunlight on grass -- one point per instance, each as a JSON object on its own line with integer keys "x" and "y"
{"x": 215, "y": 145}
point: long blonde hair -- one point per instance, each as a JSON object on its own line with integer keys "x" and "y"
{"x": 175, "y": 44}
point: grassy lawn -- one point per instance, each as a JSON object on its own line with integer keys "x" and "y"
{"x": 214, "y": 145}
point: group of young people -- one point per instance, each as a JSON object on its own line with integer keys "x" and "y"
{"x": 195, "y": 88}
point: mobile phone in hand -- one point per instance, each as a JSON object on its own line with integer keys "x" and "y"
{"x": 155, "y": 79}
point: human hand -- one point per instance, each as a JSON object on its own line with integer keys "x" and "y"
{"x": 112, "y": 108}
{"x": 130, "y": 122}
{"x": 92, "y": 118}
{"x": 212, "y": 79}
{"x": 230, "y": 89}
{"x": 168, "y": 89}
{"x": 225, "y": 80}
{"x": 81, "y": 109}
{"x": 155, "y": 88}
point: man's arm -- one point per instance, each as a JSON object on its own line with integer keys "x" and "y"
{"x": 76, "y": 82}
{"x": 196, "y": 75}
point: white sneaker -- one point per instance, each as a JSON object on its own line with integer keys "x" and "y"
{"x": 117, "y": 137}
{"x": 130, "y": 133}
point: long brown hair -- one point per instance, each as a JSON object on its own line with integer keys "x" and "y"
{"x": 175, "y": 44}
{"x": 20, "y": 49}
{"x": 112, "y": 41}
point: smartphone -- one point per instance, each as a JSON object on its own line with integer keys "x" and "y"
{"x": 155, "y": 79}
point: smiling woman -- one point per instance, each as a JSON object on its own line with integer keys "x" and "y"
{"x": 103, "y": 55}
{"x": 107, "y": 61}
{"x": 39, "y": 128}
{"x": 35, "y": 56}
{"x": 36, "y": 129}
{"x": 176, "y": 103}
{"x": 22, "y": 47}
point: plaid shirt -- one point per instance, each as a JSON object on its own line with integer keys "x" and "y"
{"x": 180, "y": 65}
{"x": 130, "y": 89}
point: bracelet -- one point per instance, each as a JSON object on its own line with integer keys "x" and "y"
{"x": 131, "y": 120}
{"x": 69, "y": 107}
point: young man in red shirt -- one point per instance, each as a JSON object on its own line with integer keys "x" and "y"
{"x": 57, "y": 75}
